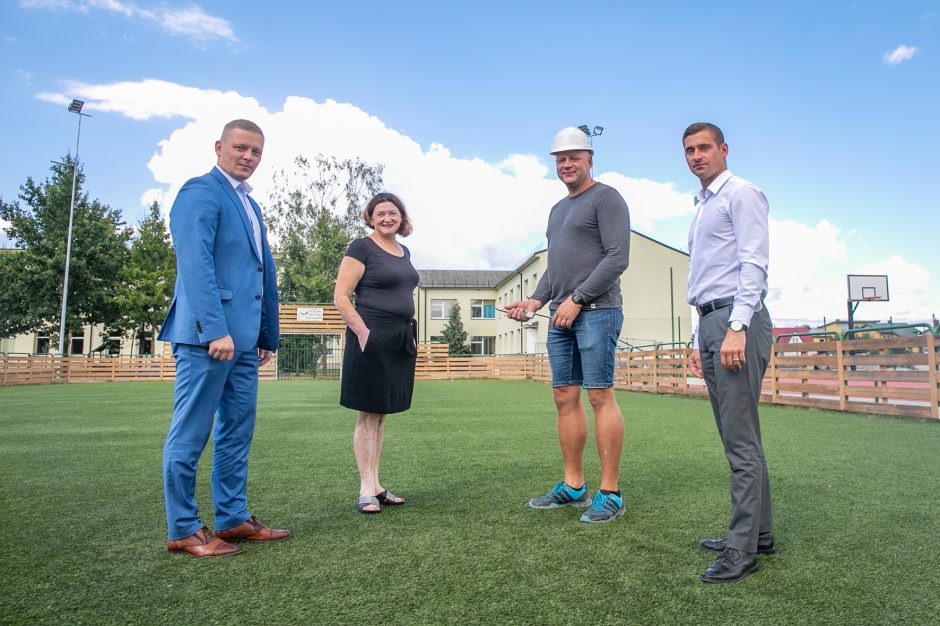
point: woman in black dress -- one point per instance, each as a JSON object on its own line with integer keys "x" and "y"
{"x": 381, "y": 348}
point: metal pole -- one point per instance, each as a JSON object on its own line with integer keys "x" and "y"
{"x": 672, "y": 305}
{"x": 68, "y": 244}
{"x": 521, "y": 328}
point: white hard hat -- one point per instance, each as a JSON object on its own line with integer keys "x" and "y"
{"x": 571, "y": 138}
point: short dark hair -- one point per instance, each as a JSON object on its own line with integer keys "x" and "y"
{"x": 405, "y": 229}
{"x": 698, "y": 127}
{"x": 242, "y": 125}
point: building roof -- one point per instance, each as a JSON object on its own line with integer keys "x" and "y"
{"x": 656, "y": 241}
{"x": 462, "y": 278}
{"x": 786, "y": 330}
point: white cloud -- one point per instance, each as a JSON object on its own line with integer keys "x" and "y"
{"x": 153, "y": 195}
{"x": 473, "y": 214}
{"x": 899, "y": 55}
{"x": 649, "y": 201}
{"x": 146, "y": 99}
{"x": 806, "y": 265}
{"x": 190, "y": 21}
{"x": 194, "y": 22}
{"x": 909, "y": 289}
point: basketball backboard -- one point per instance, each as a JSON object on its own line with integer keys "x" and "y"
{"x": 868, "y": 287}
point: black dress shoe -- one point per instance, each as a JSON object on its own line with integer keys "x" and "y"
{"x": 764, "y": 546}
{"x": 730, "y": 567}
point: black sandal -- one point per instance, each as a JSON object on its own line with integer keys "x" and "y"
{"x": 365, "y": 501}
{"x": 387, "y": 498}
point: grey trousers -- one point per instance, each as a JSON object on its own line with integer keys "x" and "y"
{"x": 735, "y": 397}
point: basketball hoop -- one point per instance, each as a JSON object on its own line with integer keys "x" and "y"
{"x": 865, "y": 288}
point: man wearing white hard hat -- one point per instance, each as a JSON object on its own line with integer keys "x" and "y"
{"x": 588, "y": 249}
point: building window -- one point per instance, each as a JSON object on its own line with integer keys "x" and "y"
{"x": 77, "y": 345}
{"x": 113, "y": 345}
{"x": 483, "y": 309}
{"x": 440, "y": 309}
{"x": 42, "y": 344}
{"x": 483, "y": 345}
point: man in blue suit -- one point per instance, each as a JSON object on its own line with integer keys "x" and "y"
{"x": 223, "y": 323}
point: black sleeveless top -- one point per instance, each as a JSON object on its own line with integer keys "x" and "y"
{"x": 388, "y": 282}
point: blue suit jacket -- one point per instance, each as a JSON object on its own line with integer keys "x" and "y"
{"x": 223, "y": 285}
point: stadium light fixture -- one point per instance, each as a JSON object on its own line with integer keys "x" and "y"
{"x": 74, "y": 107}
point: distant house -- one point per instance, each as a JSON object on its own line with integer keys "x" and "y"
{"x": 792, "y": 330}
{"x": 94, "y": 340}
{"x": 840, "y": 326}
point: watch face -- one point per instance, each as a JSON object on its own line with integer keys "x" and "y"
{"x": 577, "y": 298}
{"x": 737, "y": 326}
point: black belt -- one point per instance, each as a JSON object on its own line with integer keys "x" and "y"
{"x": 714, "y": 305}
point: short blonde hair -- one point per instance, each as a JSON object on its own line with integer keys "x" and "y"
{"x": 248, "y": 125}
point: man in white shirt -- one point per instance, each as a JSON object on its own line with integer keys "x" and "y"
{"x": 728, "y": 249}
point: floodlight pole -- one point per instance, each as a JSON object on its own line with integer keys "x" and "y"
{"x": 74, "y": 107}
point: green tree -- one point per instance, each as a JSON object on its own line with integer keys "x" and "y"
{"x": 147, "y": 280}
{"x": 32, "y": 276}
{"x": 454, "y": 334}
{"x": 313, "y": 215}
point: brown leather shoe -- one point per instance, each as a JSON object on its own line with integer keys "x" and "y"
{"x": 202, "y": 543}
{"x": 253, "y": 530}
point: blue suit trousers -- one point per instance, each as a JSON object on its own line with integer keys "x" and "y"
{"x": 211, "y": 397}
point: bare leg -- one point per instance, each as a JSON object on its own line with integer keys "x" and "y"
{"x": 367, "y": 446}
{"x": 572, "y": 431}
{"x": 379, "y": 439}
{"x": 608, "y": 434}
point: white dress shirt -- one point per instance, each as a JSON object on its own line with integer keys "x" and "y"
{"x": 729, "y": 246}
{"x": 242, "y": 189}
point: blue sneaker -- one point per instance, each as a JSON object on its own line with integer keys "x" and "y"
{"x": 606, "y": 507}
{"x": 561, "y": 495}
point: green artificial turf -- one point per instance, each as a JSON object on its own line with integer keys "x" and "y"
{"x": 857, "y": 503}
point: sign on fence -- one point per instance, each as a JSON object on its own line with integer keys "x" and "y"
{"x": 309, "y": 314}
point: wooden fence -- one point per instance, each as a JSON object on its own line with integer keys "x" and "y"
{"x": 884, "y": 376}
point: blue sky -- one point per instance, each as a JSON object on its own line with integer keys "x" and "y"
{"x": 830, "y": 107}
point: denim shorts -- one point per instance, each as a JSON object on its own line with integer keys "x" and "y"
{"x": 585, "y": 353}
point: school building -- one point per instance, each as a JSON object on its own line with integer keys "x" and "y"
{"x": 654, "y": 289}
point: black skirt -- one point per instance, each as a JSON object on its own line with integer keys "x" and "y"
{"x": 381, "y": 378}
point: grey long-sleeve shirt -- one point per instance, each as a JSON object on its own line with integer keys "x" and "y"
{"x": 588, "y": 248}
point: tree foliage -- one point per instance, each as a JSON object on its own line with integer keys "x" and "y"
{"x": 313, "y": 215}
{"x": 454, "y": 334}
{"x": 32, "y": 275}
{"x": 147, "y": 279}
